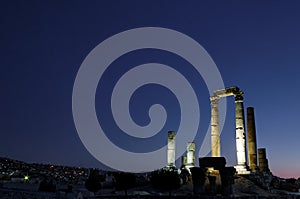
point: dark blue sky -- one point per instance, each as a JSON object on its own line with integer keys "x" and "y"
{"x": 255, "y": 44}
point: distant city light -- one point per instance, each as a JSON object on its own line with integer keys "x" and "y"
{"x": 26, "y": 178}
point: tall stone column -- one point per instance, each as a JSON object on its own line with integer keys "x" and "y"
{"x": 171, "y": 148}
{"x": 215, "y": 127}
{"x": 252, "y": 145}
{"x": 240, "y": 133}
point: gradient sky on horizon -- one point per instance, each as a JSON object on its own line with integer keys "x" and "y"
{"x": 255, "y": 44}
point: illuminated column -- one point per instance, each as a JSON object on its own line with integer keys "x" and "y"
{"x": 183, "y": 161}
{"x": 215, "y": 127}
{"x": 171, "y": 148}
{"x": 190, "y": 162}
{"x": 240, "y": 133}
{"x": 252, "y": 146}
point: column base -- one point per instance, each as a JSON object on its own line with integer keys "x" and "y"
{"x": 242, "y": 169}
{"x": 189, "y": 166}
{"x": 170, "y": 166}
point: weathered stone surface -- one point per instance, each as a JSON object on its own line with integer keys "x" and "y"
{"x": 215, "y": 127}
{"x": 252, "y": 144}
{"x": 240, "y": 131}
{"x": 262, "y": 160}
{"x": 190, "y": 154}
{"x": 171, "y": 148}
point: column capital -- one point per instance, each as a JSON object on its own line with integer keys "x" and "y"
{"x": 214, "y": 99}
{"x": 238, "y": 96}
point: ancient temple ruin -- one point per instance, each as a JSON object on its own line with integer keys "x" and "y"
{"x": 254, "y": 156}
{"x": 241, "y": 166}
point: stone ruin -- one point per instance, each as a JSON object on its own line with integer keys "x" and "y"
{"x": 213, "y": 177}
{"x": 212, "y": 172}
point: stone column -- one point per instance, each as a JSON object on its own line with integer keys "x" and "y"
{"x": 227, "y": 179}
{"x": 215, "y": 127}
{"x": 183, "y": 161}
{"x": 212, "y": 184}
{"x": 263, "y": 161}
{"x": 171, "y": 148}
{"x": 198, "y": 178}
{"x": 190, "y": 155}
{"x": 240, "y": 134}
{"x": 252, "y": 145}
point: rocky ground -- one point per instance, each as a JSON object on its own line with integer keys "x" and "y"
{"x": 245, "y": 187}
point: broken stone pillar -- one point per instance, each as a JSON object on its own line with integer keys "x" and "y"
{"x": 171, "y": 149}
{"x": 252, "y": 145}
{"x": 241, "y": 166}
{"x": 262, "y": 160}
{"x": 215, "y": 127}
{"x": 190, "y": 155}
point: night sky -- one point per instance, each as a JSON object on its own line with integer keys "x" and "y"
{"x": 255, "y": 45}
